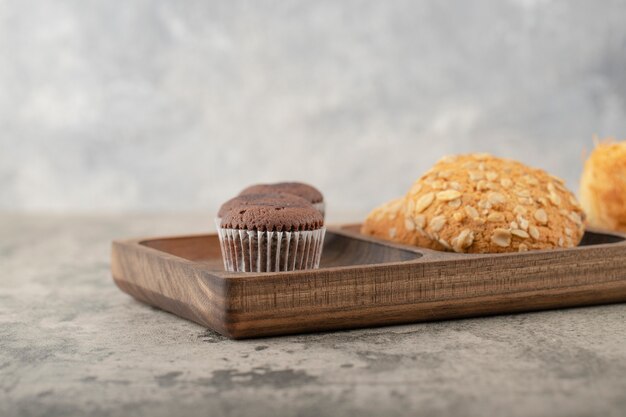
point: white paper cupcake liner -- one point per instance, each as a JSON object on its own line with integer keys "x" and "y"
{"x": 255, "y": 251}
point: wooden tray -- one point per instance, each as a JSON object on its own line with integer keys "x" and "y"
{"x": 364, "y": 282}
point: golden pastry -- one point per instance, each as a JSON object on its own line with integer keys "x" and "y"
{"x": 479, "y": 203}
{"x": 389, "y": 221}
{"x": 603, "y": 186}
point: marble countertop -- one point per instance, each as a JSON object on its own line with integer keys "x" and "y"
{"x": 72, "y": 344}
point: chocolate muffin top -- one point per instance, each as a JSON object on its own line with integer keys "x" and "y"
{"x": 280, "y": 213}
{"x": 260, "y": 199}
{"x": 306, "y": 191}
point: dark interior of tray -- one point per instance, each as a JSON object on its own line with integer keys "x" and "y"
{"x": 590, "y": 237}
{"x": 597, "y": 238}
{"x": 339, "y": 250}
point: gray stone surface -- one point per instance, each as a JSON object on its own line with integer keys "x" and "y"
{"x": 161, "y": 104}
{"x": 72, "y": 344}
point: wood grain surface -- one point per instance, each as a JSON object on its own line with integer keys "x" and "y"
{"x": 364, "y": 282}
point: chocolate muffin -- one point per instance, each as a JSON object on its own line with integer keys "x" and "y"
{"x": 306, "y": 191}
{"x": 260, "y": 199}
{"x": 283, "y": 213}
{"x": 278, "y": 233}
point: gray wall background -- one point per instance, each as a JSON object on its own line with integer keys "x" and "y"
{"x": 176, "y": 105}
